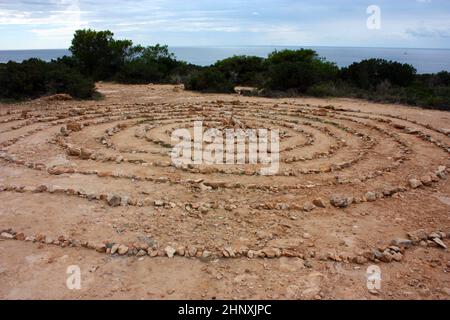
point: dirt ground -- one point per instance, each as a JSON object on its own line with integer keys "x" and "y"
{"x": 91, "y": 184}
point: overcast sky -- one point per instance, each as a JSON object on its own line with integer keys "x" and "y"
{"x": 42, "y": 24}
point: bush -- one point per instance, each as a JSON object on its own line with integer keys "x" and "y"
{"x": 368, "y": 74}
{"x": 298, "y": 69}
{"x": 209, "y": 80}
{"x": 243, "y": 70}
{"x": 63, "y": 79}
{"x": 33, "y": 78}
{"x": 153, "y": 64}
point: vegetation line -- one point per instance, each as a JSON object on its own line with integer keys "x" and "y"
{"x": 96, "y": 55}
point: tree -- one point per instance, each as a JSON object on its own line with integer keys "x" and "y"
{"x": 98, "y": 54}
{"x": 298, "y": 69}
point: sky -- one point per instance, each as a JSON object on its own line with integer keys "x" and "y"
{"x": 50, "y": 24}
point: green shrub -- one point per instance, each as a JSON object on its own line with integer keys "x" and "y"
{"x": 243, "y": 70}
{"x": 298, "y": 69}
{"x": 33, "y": 78}
{"x": 209, "y": 80}
{"x": 153, "y": 64}
{"x": 368, "y": 74}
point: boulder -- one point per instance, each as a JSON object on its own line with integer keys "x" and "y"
{"x": 74, "y": 126}
{"x": 341, "y": 201}
{"x": 414, "y": 183}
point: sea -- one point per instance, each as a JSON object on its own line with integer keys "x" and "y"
{"x": 424, "y": 60}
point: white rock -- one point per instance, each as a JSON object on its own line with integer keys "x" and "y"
{"x": 170, "y": 251}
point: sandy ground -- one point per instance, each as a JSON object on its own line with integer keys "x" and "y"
{"x": 79, "y": 178}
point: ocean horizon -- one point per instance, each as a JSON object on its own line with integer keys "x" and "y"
{"x": 424, "y": 60}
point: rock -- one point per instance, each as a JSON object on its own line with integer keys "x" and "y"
{"x": 308, "y": 206}
{"x": 440, "y": 243}
{"x": 170, "y": 251}
{"x": 426, "y": 181}
{"x": 397, "y": 256}
{"x": 100, "y": 247}
{"x": 181, "y": 250}
{"x": 441, "y": 169}
{"x": 229, "y": 252}
{"x": 282, "y": 206}
{"x": 319, "y": 203}
{"x": 402, "y": 243}
{"x": 6, "y": 235}
{"x": 159, "y": 203}
{"x": 192, "y": 251}
{"x": 306, "y": 235}
{"x": 371, "y": 196}
{"x": 387, "y": 256}
{"x": 85, "y": 154}
{"x": 19, "y": 236}
{"x": 119, "y": 159}
{"x": 434, "y": 235}
{"x": 114, "y": 248}
{"x": 418, "y": 235}
{"x": 141, "y": 253}
{"x": 122, "y": 250}
{"x": 113, "y": 200}
{"x": 414, "y": 183}
{"x": 74, "y": 126}
{"x": 340, "y": 201}
{"x": 73, "y": 151}
{"x": 359, "y": 260}
{"x": 206, "y": 254}
{"x": 272, "y": 252}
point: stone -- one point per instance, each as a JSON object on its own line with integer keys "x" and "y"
{"x": 440, "y": 243}
{"x": 206, "y": 254}
{"x": 426, "y": 181}
{"x": 282, "y": 206}
{"x": 6, "y": 235}
{"x": 181, "y": 251}
{"x": 114, "y": 248}
{"x": 141, "y": 253}
{"x": 170, "y": 251}
{"x": 387, "y": 256}
{"x": 74, "y": 126}
{"x": 85, "y": 154}
{"x": 19, "y": 236}
{"x": 359, "y": 260}
{"x": 418, "y": 235}
{"x": 414, "y": 183}
{"x": 308, "y": 206}
{"x": 434, "y": 235}
{"x": 397, "y": 256}
{"x": 100, "y": 247}
{"x": 319, "y": 203}
{"x": 371, "y": 196}
{"x": 402, "y": 243}
{"x": 272, "y": 252}
{"x": 113, "y": 200}
{"x": 340, "y": 201}
{"x": 122, "y": 250}
{"x": 229, "y": 252}
{"x": 192, "y": 251}
{"x": 73, "y": 151}
{"x": 159, "y": 203}
{"x": 306, "y": 236}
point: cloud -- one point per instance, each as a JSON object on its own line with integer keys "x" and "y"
{"x": 231, "y": 22}
{"x": 426, "y": 32}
